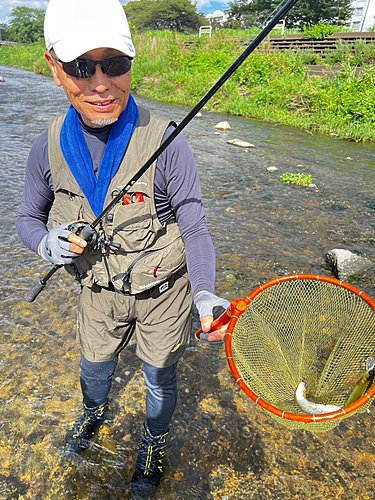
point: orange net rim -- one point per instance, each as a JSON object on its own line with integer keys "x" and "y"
{"x": 239, "y": 307}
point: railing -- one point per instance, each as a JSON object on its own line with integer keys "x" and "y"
{"x": 205, "y": 29}
{"x": 298, "y": 42}
{"x": 2, "y": 42}
{"x": 280, "y": 26}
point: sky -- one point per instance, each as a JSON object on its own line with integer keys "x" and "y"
{"x": 6, "y": 6}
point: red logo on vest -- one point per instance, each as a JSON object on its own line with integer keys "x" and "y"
{"x": 134, "y": 198}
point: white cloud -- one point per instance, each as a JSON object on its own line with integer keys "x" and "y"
{"x": 217, "y": 13}
{"x": 203, "y": 3}
{"x": 6, "y": 6}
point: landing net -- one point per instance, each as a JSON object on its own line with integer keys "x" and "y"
{"x": 302, "y": 328}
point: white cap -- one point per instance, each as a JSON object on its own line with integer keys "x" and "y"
{"x": 73, "y": 27}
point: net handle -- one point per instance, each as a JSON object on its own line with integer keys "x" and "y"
{"x": 236, "y": 313}
{"x": 221, "y": 320}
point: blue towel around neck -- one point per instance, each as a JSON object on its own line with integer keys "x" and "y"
{"x": 77, "y": 156}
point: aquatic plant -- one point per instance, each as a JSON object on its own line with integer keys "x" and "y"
{"x": 297, "y": 179}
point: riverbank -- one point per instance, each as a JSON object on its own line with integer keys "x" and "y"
{"x": 270, "y": 85}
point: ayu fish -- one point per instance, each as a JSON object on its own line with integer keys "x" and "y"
{"x": 310, "y": 407}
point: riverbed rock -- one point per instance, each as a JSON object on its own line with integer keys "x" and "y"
{"x": 272, "y": 169}
{"x": 2, "y": 79}
{"x": 345, "y": 263}
{"x": 198, "y": 115}
{"x": 223, "y": 126}
{"x": 241, "y": 144}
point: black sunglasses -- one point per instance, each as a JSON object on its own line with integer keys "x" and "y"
{"x": 85, "y": 68}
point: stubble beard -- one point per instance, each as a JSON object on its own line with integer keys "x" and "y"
{"x": 104, "y": 121}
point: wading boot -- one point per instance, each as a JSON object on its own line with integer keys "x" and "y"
{"x": 149, "y": 465}
{"x": 77, "y": 438}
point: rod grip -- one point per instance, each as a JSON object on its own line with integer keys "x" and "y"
{"x": 87, "y": 232}
{"x": 32, "y": 294}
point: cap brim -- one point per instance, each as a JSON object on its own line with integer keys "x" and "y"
{"x": 67, "y": 51}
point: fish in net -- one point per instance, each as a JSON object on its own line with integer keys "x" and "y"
{"x": 306, "y": 332}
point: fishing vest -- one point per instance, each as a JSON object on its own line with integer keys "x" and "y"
{"x": 150, "y": 252}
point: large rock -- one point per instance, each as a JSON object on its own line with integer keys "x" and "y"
{"x": 223, "y": 126}
{"x": 241, "y": 144}
{"x": 2, "y": 79}
{"x": 345, "y": 263}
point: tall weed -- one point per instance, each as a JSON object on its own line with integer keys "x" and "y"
{"x": 358, "y": 53}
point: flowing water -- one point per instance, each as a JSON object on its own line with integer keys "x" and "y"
{"x": 223, "y": 447}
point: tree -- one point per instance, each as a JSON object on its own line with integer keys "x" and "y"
{"x": 175, "y": 15}
{"x": 242, "y": 11}
{"x": 26, "y": 25}
{"x": 310, "y": 12}
{"x": 305, "y": 12}
{"x": 4, "y": 28}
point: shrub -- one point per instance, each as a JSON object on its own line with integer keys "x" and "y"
{"x": 320, "y": 30}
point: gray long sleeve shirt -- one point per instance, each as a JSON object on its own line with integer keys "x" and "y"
{"x": 177, "y": 192}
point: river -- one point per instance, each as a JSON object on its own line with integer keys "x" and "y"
{"x": 223, "y": 447}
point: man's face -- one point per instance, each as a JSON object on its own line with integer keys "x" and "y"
{"x": 99, "y": 99}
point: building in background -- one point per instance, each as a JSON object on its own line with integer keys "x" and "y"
{"x": 363, "y": 17}
{"x": 219, "y": 17}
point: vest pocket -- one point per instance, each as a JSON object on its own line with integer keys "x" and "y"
{"x": 66, "y": 207}
{"x": 133, "y": 227}
{"x": 152, "y": 268}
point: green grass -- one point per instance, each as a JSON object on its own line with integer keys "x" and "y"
{"x": 30, "y": 57}
{"x": 269, "y": 85}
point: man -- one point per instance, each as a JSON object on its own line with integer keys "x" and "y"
{"x": 133, "y": 276}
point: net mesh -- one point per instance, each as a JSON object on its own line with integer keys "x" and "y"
{"x": 304, "y": 330}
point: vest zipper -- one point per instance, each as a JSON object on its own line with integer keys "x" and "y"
{"x": 126, "y": 275}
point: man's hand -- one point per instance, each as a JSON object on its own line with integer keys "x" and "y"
{"x": 210, "y": 307}
{"x": 61, "y": 246}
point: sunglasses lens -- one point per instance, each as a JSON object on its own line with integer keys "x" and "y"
{"x": 116, "y": 66}
{"x": 79, "y": 68}
{"x": 85, "y": 68}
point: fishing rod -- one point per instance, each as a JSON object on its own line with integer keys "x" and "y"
{"x": 88, "y": 230}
